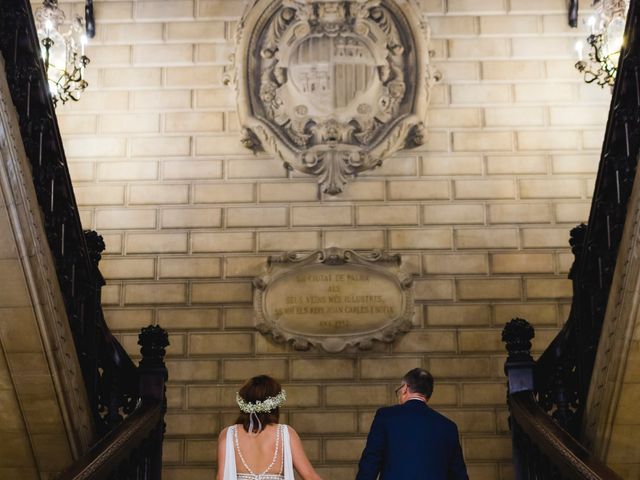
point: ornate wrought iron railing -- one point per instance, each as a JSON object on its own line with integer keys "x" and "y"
{"x": 564, "y": 370}
{"x": 133, "y": 449}
{"x": 542, "y": 448}
{"x": 121, "y": 395}
{"x": 559, "y": 380}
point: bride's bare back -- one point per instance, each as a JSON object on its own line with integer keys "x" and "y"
{"x": 262, "y": 453}
{"x": 258, "y": 452}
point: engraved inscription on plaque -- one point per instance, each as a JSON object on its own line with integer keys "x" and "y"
{"x": 334, "y": 298}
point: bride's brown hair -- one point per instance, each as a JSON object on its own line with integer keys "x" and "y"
{"x": 259, "y": 389}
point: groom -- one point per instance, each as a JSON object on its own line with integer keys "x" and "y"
{"x": 411, "y": 441}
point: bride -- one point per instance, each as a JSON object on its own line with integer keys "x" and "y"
{"x": 257, "y": 447}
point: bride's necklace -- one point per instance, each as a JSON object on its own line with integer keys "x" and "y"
{"x": 257, "y": 476}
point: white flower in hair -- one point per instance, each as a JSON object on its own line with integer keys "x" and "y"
{"x": 264, "y": 406}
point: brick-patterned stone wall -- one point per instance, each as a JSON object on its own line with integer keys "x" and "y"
{"x": 481, "y": 214}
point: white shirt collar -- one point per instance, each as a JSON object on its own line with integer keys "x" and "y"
{"x": 418, "y": 399}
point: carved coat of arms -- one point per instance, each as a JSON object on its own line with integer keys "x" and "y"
{"x": 331, "y": 87}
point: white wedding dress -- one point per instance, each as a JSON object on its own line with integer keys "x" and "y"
{"x": 286, "y": 468}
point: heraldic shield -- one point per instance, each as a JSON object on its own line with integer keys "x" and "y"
{"x": 332, "y": 87}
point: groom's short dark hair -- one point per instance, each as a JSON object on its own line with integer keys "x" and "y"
{"x": 419, "y": 381}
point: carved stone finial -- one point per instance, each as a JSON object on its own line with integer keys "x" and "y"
{"x": 334, "y": 87}
{"x": 153, "y": 341}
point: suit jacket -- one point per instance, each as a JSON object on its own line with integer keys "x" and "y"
{"x": 412, "y": 442}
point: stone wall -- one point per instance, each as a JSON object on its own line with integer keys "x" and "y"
{"x": 481, "y": 214}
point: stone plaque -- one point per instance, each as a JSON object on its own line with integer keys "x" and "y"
{"x": 334, "y": 299}
{"x": 332, "y": 87}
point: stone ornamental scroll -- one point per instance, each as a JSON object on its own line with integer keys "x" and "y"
{"x": 331, "y": 87}
{"x": 334, "y": 299}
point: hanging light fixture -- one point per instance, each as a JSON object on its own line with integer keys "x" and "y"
{"x": 62, "y": 50}
{"x": 598, "y": 57}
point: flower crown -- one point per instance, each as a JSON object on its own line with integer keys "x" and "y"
{"x": 264, "y": 406}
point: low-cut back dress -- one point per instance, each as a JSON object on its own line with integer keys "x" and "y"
{"x": 231, "y": 472}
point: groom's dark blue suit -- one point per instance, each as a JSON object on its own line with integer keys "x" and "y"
{"x": 412, "y": 442}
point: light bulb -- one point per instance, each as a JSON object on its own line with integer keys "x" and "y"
{"x": 578, "y": 47}
{"x": 83, "y": 42}
{"x": 615, "y": 34}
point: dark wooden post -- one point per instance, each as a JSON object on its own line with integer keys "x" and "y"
{"x": 581, "y": 308}
{"x": 91, "y": 310}
{"x": 563, "y": 391}
{"x": 517, "y": 335}
{"x": 153, "y": 375}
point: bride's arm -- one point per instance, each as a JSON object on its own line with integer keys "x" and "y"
{"x": 300, "y": 461}
{"x": 222, "y": 451}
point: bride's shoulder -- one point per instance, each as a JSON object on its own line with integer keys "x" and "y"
{"x": 224, "y": 431}
{"x": 291, "y": 430}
